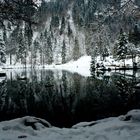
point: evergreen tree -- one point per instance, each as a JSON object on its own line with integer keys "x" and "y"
{"x": 100, "y": 44}
{"x": 121, "y": 47}
{"x": 2, "y": 50}
{"x": 4, "y": 35}
{"x": 36, "y": 47}
{"x": 9, "y": 26}
{"x": 12, "y": 42}
{"x": 21, "y": 48}
{"x": 49, "y": 51}
{"x": 134, "y": 37}
{"x": 63, "y": 54}
{"x": 28, "y": 34}
{"x": 69, "y": 29}
{"x": 41, "y": 48}
{"x": 93, "y": 60}
{"x": 92, "y": 65}
{"x": 45, "y": 50}
{"x": 76, "y": 49}
{"x": 105, "y": 53}
{"x": 62, "y": 25}
{"x": 55, "y": 21}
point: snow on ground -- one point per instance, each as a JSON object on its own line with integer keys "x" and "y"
{"x": 81, "y": 66}
{"x": 110, "y": 62}
{"x": 125, "y": 127}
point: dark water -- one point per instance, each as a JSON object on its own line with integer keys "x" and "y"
{"x": 64, "y": 98}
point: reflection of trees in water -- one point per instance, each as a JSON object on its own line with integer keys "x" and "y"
{"x": 3, "y": 94}
{"x": 34, "y": 97}
{"x": 124, "y": 86}
{"x": 127, "y": 92}
{"x": 98, "y": 101}
{"x": 64, "y": 98}
{"x": 108, "y": 96}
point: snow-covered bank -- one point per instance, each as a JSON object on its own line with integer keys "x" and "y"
{"x": 112, "y": 64}
{"x": 81, "y": 66}
{"x": 125, "y": 127}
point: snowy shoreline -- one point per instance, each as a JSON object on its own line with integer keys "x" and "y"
{"x": 125, "y": 127}
{"x": 83, "y": 66}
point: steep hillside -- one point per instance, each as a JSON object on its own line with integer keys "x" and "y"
{"x": 66, "y": 30}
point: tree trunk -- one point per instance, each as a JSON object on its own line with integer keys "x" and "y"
{"x": 124, "y": 63}
{"x": 10, "y": 59}
{"x": 25, "y": 64}
{"x": 25, "y": 60}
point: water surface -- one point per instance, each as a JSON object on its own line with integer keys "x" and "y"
{"x": 65, "y": 98}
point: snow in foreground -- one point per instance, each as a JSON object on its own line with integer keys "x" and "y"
{"x": 30, "y": 128}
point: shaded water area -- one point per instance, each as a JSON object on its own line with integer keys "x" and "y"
{"x": 65, "y": 98}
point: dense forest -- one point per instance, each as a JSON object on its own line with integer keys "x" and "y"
{"x": 57, "y": 31}
{"x": 69, "y": 62}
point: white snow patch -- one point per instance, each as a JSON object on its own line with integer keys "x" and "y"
{"x": 81, "y": 66}
{"x": 125, "y": 127}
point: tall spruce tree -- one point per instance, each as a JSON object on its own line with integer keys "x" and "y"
{"x": 41, "y": 48}
{"x": 121, "y": 46}
{"x": 69, "y": 29}
{"x": 21, "y": 48}
{"x": 76, "y": 49}
{"x": 62, "y": 25}
{"x": 63, "y": 52}
{"x": 93, "y": 60}
{"x": 2, "y": 50}
{"x": 36, "y": 47}
{"x": 92, "y": 65}
{"x": 49, "y": 51}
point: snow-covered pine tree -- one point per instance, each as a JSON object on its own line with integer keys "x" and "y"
{"x": 2, "y": 50}
{"x": 76, "y": 49}
{"x": 36, "y": 47}
{"x": 62, "y": 25}
{"x": 93, "y": 60}
{"x": 63, "y": 54}
{"x": 41, "y": 48}
{"x": 29, "y": 11}
{"x": 4, "y": 35}
{"x": 12, "y": 42}
{"x": 69, "y": 29}
{"x": 44, "y": 45}
{"x": 21, "y": 48}
{"x": 134, "y": 42}
{"x": 121, "y": 46}
{"x": 105, "y": 53}
{"x": 134, "y": 36}
{"x": 49, "y": 51}
{"x": 55, "y": 21}
{"x": 92, "y": 64}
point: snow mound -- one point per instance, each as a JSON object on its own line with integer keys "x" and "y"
{"x": 125, "y": 127}
{"x": 25, "y": 123}
{"x": 133, "y": 115}
{"x": 81, "y": 66}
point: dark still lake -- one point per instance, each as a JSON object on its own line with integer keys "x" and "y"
{"x": 65, "y": 98}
